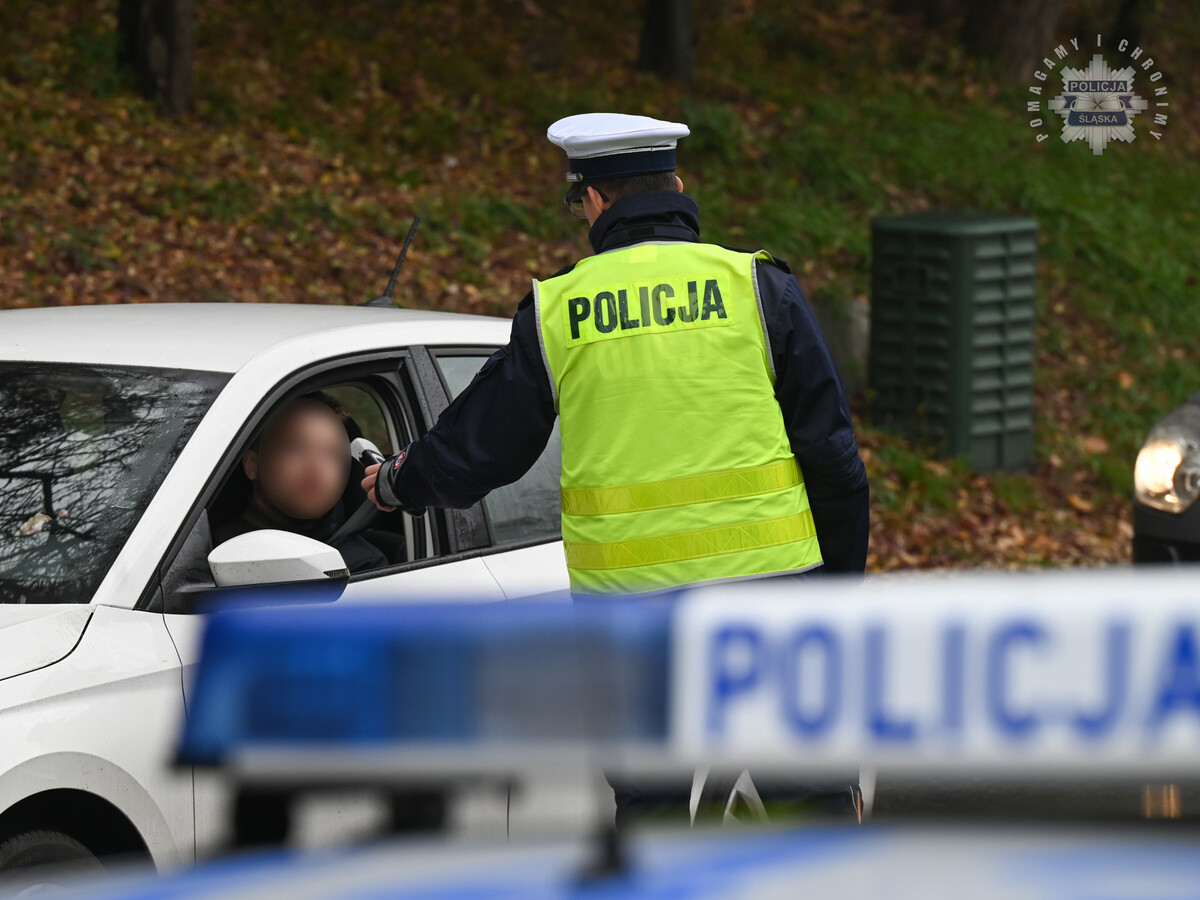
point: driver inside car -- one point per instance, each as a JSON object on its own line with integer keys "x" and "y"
{"x": 299, "y": 467}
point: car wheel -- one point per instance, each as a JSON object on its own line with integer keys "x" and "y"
{"x": 22, "y": 854}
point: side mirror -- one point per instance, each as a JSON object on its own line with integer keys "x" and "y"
{"x": 278, "y": 565}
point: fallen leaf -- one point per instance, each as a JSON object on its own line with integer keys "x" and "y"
{"x": 1079, "y": 503}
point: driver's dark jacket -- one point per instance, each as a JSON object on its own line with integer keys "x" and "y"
{"x": 494, "y": 431}
{"x": 357, "y": 552}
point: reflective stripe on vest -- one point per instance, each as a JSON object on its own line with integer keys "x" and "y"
{"x": 677, "y": 491}
{"x": 676, "y": 464}
{"x": 690, "y": 544}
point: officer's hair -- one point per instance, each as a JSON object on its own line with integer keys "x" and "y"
{"x": 616, "y": 188}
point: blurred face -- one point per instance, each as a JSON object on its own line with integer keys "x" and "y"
{"x": 303, "y": 459}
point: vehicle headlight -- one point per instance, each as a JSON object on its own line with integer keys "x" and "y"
{"x": 1167, "y": 473}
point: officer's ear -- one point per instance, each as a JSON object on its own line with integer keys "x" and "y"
{"x": 250, "y": 464}
{"x": 597, "y": 201}
{"x": 679, "y": 184}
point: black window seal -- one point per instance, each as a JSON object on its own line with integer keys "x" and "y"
{"x": 484, "y": 351}
{"x": 467, "y": 529}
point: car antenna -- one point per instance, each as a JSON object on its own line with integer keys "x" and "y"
{"x": 385, "y": 299}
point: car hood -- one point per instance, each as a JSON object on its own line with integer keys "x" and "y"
{"x": 35, "y": 636}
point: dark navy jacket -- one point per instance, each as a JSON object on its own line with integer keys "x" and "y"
{"x": 494, "y": 431}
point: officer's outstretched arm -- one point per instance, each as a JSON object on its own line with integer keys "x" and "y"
{"x": 490, "y": 435}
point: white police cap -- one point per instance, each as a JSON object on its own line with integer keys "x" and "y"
{"x": 613, "y": 145}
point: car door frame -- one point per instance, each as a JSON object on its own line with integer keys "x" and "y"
{"x": 408, "y": 404}
{"x": 456, "y": 534}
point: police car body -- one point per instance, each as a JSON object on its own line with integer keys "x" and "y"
{"x": 1060, "y": 676}
{"x": 123, "y": 429}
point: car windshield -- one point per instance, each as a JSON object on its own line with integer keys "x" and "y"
{"x": 82, "y": 451}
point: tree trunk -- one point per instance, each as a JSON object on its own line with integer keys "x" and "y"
{"x": 932, "y": 13}
{"x": 666, "y": 46}
{"x": 155, "y": 40}
{"x": 1015, "y": 34}
{"x": 1130, "y": 18}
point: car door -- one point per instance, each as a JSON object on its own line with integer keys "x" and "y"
{"x": 442, "y": 551}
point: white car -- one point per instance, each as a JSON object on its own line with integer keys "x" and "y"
{"x": 122, "y": 432}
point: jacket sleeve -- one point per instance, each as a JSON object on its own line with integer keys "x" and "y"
{"x": 817, "y": 418}
{"x": 490, "y": 434}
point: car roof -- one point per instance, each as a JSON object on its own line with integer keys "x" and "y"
{"x": 219, "y": 337}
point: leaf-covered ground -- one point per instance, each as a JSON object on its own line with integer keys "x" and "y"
{"x": 321, "y": 128}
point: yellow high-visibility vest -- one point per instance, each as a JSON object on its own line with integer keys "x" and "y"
{"x": 676, "y": 466}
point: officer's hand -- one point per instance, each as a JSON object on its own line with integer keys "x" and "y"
{"x": 368, "y": 485}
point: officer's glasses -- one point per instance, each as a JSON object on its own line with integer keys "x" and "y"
{"x": 574, "y": 199}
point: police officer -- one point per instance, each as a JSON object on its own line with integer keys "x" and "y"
{"x": 705, "y": 432}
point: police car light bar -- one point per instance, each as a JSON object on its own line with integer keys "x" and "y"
{"x": 428, "y": 679}
{"x": 1072, "y": 672}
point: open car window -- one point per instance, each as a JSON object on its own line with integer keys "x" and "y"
{"x": 364, "y": 409}
{"x": 374, "y": 408}
{"x": 363, "y": 415}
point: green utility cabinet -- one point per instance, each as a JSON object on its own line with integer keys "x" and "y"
{"x": 951, "y": 348}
